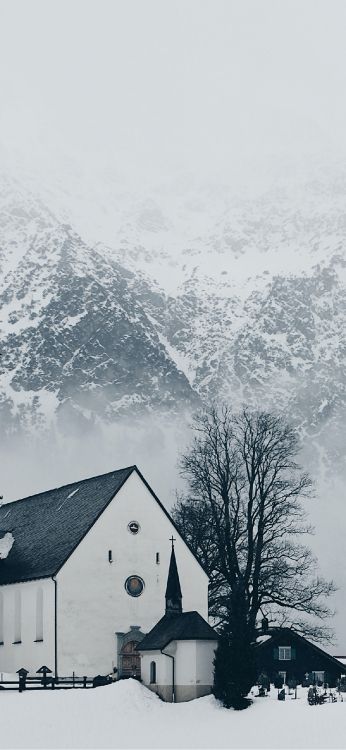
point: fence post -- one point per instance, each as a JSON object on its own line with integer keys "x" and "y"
{"x": 44, "y": 671}
{"x": 72, "y": 679}
{"x": 22, "y": 675}
{"x": 84, "y": 681}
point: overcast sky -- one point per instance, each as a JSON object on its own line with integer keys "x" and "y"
{"x": 156, "y": 85}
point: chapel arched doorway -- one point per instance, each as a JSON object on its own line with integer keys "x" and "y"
{"x": 130, "y": 660}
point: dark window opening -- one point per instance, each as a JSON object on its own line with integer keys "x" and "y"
{"x": 153, "y": 672}
{"x": 110, "y": 556}
{"x": 157, "y": 558}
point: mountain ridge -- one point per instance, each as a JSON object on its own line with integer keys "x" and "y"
{"x": 88, "y": 333}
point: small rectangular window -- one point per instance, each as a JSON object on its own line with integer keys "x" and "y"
{"x": 285, "y": 653}
{"x": 110, "y": 556}
{"x": 157, "y": 558}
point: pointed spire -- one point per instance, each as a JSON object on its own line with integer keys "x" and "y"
{"x": 173, "y": 590}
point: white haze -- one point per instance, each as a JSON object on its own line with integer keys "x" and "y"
{"x": 154, "y": 92}
{"x": 52, "y": 460}
{"x": 159, "y": 86}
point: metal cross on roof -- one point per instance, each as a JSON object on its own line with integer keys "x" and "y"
{"x": 171, "y": 539}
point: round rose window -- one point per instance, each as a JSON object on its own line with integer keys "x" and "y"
{"x": 134, "y": 585}
{"x": 133, "y": 527}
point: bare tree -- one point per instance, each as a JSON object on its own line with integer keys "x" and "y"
{"x": 244, "y": 517}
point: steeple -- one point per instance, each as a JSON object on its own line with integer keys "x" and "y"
{"x": 173, "y": 590}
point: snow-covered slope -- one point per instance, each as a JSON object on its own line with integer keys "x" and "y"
{"x": 66, "y": 719}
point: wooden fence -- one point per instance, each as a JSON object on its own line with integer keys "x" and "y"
{"x": 47, "y": 681}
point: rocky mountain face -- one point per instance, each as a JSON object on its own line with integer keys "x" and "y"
{"x": 245, "y": 302}
{"x": 77, "y": 344}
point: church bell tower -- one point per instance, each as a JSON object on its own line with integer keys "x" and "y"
{"x": 173, "y": 591}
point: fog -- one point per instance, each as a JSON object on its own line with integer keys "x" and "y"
{"x": 53, "y": 458}
{"x": 199, "y": 86}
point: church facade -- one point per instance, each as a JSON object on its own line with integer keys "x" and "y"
{"x": 85, "y": 579}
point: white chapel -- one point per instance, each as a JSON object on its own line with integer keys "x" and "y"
{"x": 90, "y": 584}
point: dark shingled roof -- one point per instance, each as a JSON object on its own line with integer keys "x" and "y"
{"x": 189, "y": 626}
{"x": 275, "y": 633}
{"x": 47, "y": 527}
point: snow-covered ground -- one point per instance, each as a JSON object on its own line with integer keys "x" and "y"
{"x": 127, "y": 715}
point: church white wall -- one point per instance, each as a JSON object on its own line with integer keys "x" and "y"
{"x": 205, "y": 653}
{"x": 194, "y": 671}
{"x": 19, "y": 622}
{"x": 184, "y": 653}
{"x": 92, "y": 602}
{"x": 163, "y": 669}
{"x": 194, "y": 668}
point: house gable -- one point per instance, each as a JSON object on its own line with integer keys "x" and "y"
{"x": 49, "y": 526}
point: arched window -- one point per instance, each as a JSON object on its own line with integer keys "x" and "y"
{"x": 39, "y": 614}
{"x": 1, "y": 617}
{"x": 153, "y": 672}
{"x": 17, "y": 616}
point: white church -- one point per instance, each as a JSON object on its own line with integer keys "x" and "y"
{"x": 91, "y": 584}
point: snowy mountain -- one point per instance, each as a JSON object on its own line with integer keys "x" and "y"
{"x": 76, "y": 338}
{"x": 111, "y": 304}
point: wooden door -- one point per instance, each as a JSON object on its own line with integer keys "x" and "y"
{"x": 130, "y": 660}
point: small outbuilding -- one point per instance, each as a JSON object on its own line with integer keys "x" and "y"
{"x": 283, "y": 652}
{"x": 177, "y": 654}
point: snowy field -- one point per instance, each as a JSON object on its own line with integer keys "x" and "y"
{"x": 127, "y": 715}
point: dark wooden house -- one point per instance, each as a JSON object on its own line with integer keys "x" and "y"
{"x": 281, "y": 651}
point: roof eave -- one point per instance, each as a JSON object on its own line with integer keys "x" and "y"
{"x": 27, "y": 580}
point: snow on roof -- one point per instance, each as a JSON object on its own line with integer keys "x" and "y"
{"x": 263, "y": 638}
{"x": 6, "y": 544}
{"x": 341, "y": 658}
